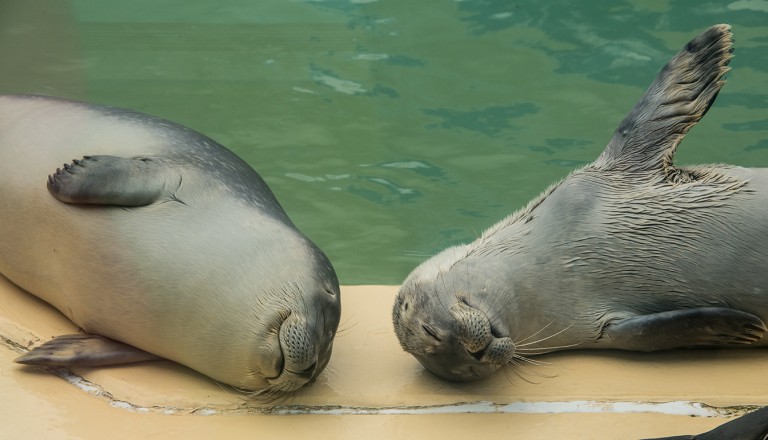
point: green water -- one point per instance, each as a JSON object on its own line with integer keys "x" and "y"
{"x": 391, "y": 129}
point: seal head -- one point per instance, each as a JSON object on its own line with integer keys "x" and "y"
{"x": 457, "y": 340}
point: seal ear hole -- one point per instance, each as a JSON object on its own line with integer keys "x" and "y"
{"x": 430, "y": 332}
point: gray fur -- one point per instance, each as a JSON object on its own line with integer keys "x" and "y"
{"x": 628, "y": 244}
{"x": 162, "y": 239}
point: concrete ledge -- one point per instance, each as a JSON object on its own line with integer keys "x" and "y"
{"x": 373, "y": 388}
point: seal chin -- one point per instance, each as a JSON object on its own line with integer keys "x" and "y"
{"x": 448, "y": 369}
{"x": 288, "y": 381}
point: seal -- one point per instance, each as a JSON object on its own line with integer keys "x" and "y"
{"x": 752, "y": 426}
{"x": 629, "y": 252}
{"x": 159, "y": 242}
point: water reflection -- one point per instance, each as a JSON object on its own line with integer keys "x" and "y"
{"x": 489, "y": 121}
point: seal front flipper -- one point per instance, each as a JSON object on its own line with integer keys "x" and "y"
{"x": 676, "y": 100}
{"x": 112, "y": 180}
{"x": 84, "y": 351}
{"x": 704, "y": 326}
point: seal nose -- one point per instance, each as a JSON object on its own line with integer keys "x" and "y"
{"x": 474, "y": 327}
{"x": 500, "y": 351}
{"x": 476, "y": 336}
{"x": 299, "y": 351}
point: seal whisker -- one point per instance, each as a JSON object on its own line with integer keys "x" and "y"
{"x": 231, "y": 390}
{"x": 532, "y": 361}
{"x": 527, "y": 369}
{"x": 493, "y": 312}
{"x": 516, "y": 361}
{"x": 440, "y": 275}
{"x": 343, "y": 328}
{"x": 269, "y": 396}
{"x": 543, "y": 350}
{"x": 469, "y": 294}
{"x": 546, "y": 338}
{"x": 520, "y": 342}
{"x": 519, "y": 370}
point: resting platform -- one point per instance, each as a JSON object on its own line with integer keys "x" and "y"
{"x": 372, "y": 389}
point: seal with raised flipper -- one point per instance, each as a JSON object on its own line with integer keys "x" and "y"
{"x": 629, "y": 252}
{"x": 159, "y": 242}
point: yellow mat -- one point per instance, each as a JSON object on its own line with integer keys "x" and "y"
{"x": 372, "y": 389}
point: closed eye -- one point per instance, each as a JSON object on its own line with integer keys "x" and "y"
{"x": 430, "y": 332}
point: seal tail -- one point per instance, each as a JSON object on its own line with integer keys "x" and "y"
{"x": 677, "y": 99}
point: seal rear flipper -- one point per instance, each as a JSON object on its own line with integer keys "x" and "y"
{"x": 753, "y": 426}
{"x": 111, "y": 180}
{"x": 677, "y": 99}
{"x": 84, "y": 351}
{"x": 697, "y": 327}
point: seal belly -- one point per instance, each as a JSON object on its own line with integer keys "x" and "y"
{"x": 161, "y": 239}
{"x": 40, "y": 233}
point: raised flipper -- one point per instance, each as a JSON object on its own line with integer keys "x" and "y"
{"x": 697, "y": 327}
{"x": 84, "y": 351}
{"x": 111, "y": 180}
{"x": 753, "y": 426}
{"x": 679, "y": 97}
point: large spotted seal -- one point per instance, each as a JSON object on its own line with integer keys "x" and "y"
{"x": 161, "y": 239}
{"x": 630, "y": 252}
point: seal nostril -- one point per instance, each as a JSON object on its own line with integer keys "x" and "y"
{"x": 478, "y": 355}
{"x": 309, "y": 370}
{"x": 283, "y": 315}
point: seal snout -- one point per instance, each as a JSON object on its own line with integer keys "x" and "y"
{"x": 477, "y": 337}
{"x": 300, "y": 354}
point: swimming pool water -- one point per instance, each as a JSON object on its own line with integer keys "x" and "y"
{"x": 390, "y": 130}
